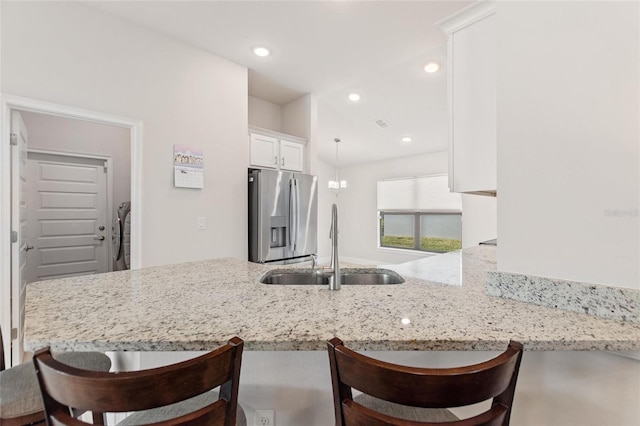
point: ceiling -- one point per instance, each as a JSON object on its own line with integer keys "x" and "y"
{"x": 329, "y": 48}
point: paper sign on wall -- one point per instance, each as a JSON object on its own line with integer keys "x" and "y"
{"x": 188, "y": 165}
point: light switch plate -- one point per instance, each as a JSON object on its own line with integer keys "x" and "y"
{"x": 202, "y": 223}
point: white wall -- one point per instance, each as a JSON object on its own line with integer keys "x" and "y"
{"x": 479, "y": 219}
{"x": 357, "y": 207}
{"x": 326, "y": 197}
{"x": 291, "y": 118}
{"x": 357, "y": 204}
{"x": 75, "y": 55}
{"x": 295, "y": 117}
{"x": 300, "y": 118}
{"x": 568, "y": 140}
{"x": 265, "y": 114}
{"x": 48, "y": 132}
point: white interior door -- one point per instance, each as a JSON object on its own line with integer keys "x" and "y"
{"x": 19, "y": 226}
{"x": 68, "y": 216}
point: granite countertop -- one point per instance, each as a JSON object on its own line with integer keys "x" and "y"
{"x": 200, "y": 305}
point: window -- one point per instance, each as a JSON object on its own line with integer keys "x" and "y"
{"x": 434, "y": 232}
{"x": 419, "y": 214}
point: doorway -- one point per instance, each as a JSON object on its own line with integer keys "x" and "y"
{"x": 12, "y": 167}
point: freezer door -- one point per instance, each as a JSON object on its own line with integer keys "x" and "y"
{"x": 305, "y": 223}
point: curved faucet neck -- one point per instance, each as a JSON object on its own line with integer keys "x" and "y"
{"x": 335, "y": 283}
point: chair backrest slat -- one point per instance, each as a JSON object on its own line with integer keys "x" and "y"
{"x": 65, "y": 387}
{"x": 358, "y": 415}
{"x": 122, "y": 391}
{"x": 211, "y": 415}
{"x": 422, "y": 387}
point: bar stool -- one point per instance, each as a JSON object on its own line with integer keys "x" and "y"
{"x": 170, "y": 395}
{"x": 20, "y": 398}
{"x": 399, "y": 395}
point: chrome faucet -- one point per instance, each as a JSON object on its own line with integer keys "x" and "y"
{"x": 335, "y": 280}
{"x": 314, "y": 259}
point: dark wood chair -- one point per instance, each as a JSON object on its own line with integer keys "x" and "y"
{"x": 398, "y": 395}
{"x": 20, "y": 398}
{"x": 171, "y": 395}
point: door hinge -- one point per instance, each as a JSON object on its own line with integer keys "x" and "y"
{"x": 13, "y": 138}
{"x": 14, "y": 333}
{"x": 14, "y": 236}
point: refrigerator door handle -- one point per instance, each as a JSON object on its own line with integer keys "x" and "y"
{"x": 292, "y": 213}
{"x": 297, "y": 214}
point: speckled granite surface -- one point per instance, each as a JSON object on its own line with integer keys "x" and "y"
{"x": 609, "y": 302}
{"x": 199, "y": 305}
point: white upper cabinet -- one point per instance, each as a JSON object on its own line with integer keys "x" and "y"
{"x": 471, "y": 78}
{"x": 276, "y": 151}
{"x": 264, "y": 151}
{"x": 291, "y": 156}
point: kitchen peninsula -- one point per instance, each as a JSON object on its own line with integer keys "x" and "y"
{"x": 444, "y": 317}
{"x": 199, "y": 305}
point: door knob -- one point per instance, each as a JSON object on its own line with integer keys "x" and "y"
{"x": 28, "y": 248}
{"x": 100, "y": 238}
{"x": 101, "y": 228}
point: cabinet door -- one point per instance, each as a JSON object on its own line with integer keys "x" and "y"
{"x": 473, "y": 86}
{"x": 264, "y": 151}
{"x": 291, "y": 156}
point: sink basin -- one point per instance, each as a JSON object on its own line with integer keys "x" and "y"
{"x": 349, "y": 277}
{"x": 381, "y": 277}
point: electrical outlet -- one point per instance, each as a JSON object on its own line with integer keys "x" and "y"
{"x": 265, "y": 418}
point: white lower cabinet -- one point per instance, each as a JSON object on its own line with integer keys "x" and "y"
{"x": 276, "y": 153}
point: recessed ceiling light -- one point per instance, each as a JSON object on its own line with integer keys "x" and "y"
{"x": 406, "y": 139}
{"x": 354, "y": 97}
{"x": 261, "y": 51}
{"x": 432, "y": 67}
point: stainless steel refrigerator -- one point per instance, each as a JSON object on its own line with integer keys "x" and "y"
{"x": 283, "y": 216}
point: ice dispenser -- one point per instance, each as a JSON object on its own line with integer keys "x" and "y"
{"x": 278, "y": 231}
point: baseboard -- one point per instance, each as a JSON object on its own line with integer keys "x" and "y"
{"x": 326, "y": 260}
{"x": 629, "y": 354}
{"x": 358, "y": 261}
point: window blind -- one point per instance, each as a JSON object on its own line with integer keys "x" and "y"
{"x": 418, "y": 194}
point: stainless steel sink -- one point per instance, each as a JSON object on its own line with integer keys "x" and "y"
{"x": 383, "y": 277}
{"x": 349, "y": 277}
{"x": 293, "y": 278}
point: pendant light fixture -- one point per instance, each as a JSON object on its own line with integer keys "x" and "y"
{"x": 337, "y": 184}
